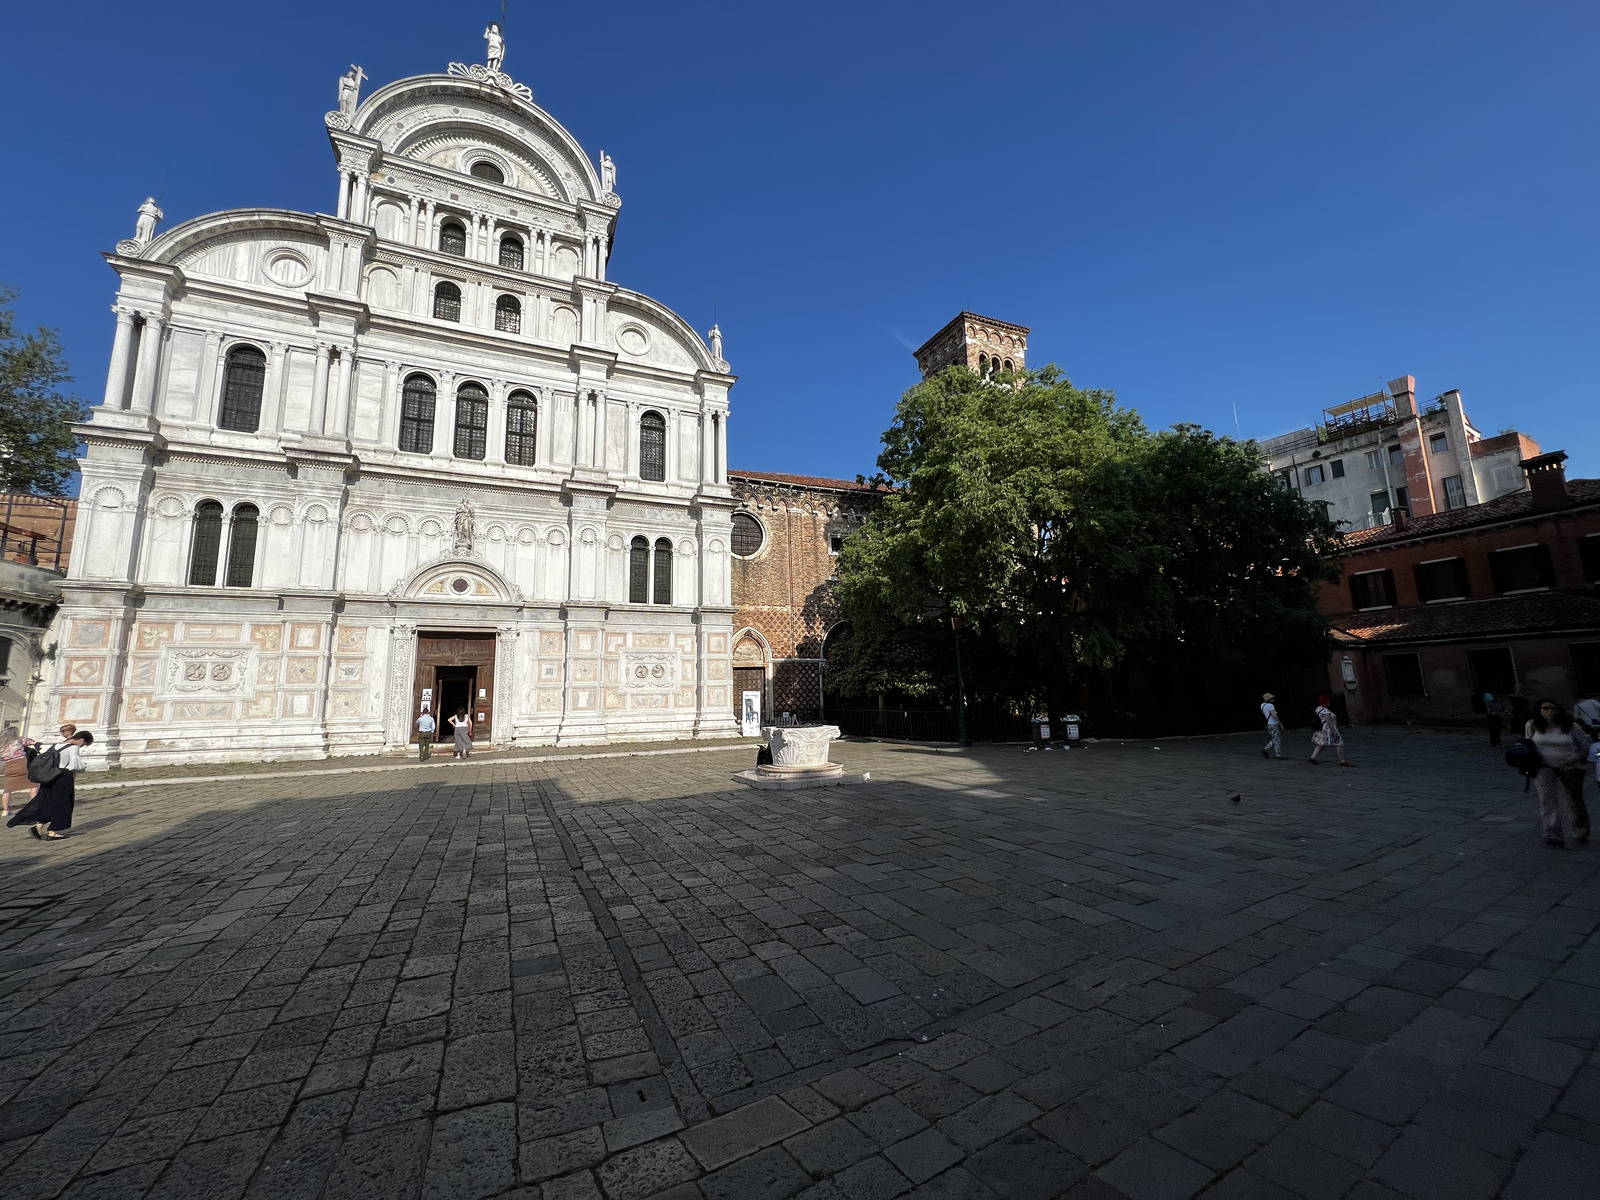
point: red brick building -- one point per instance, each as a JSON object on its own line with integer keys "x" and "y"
{"x": 787, "y": 533}
{"x": 1501, "y": 597}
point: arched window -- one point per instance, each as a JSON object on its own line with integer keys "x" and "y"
{"x": 511, "y": 252}
{"x": 447, "y": 302}
{"x": 983, "y": 364}
{"x": 508, "y": 314}
{"x": 663, "y": 580}
{"x": 241, "y": 389}
{"x": 416, "y": 415}
{"x": 653, "y": 447}
{"x": 242, "y": 546}
{"x": 747, "y": 535}
{"x": 1009, "y": 367}
{"x": 522, "y": 430}
{"x": 453, "y": 239}
{"x": 487, "y": 170}
{"x": 639, "y": 571}
{"x": 472, "y": 420}
{"x": 207, "y": 544}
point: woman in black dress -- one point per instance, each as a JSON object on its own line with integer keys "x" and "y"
{"x": 51, "y": 807}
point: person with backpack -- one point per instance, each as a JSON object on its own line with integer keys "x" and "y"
{"x": 1563, "y": 749}
{"x": 54, "y": 769}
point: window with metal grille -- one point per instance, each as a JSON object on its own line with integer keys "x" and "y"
{"x": 207, "y": 545}
{"x": 663, "y": 580}
{"x": 653, "y": 447}
{"x": 453, "y": 239}
{"x": 447, "y": 302}
{"x": 1522, "y": 569}
{"x": 1403, "y": 674}
{"x": 522, "y": 430}
{"x": 511, "y": 252}
{"x": 242, "y": 388}
{"x": 639, "y": 571}
{"x": 472, "y": 421}
{"x": 416, "y": 415}
{"x": 487, "y": 170}
{"x": 1442, "y": 579}
{"x": 1372, "y": 589}
{"x": 508, "y": 315}
{"x": 747, "y": 535}
{"x": 242, "y": 546}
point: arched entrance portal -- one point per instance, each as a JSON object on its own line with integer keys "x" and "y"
{"x": 750, "y": 660}
{"x": 456, "y": 671}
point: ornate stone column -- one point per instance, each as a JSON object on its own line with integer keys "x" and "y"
{"x": 705, "y": 447}
{"x": 342, "y": 398}
{"x": 272, "y": 391}
{"x": 319, "y": 390}
{"x": 121, "y": 352}
{"x": 506, "y": 690}
{"x": 495, "y": 449}
{"x": 720, "y": 420}
{"x": 144, "y": 379}
{"x": 213, "y": 379}
{"x": 402, "y": 673}
{"x": 444, "y": 416}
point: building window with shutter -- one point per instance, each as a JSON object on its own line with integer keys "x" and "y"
{"x": 1455, "y": 496}
{"x": 522, "y": 430}
{"x": 242, "y": 546}
{"x": 206, "y": 547}
{"x": 241, "y": 390}
{"x": 1438, "y": 443}
{"x": 1338, "y": 468}
{"x": 472, "y": 421}
{"x": 1374, "y": 460}
{"x": 1397, "y": 456}
{"x": 416, "y": 415}
{"x": 508, "y": 314}
{"x": 653, "y": 447}
{"x": 511, "y": 252}
{"x": 453, "y": 239}
{"x": 1314, "y": 475}
{"x": 639, "y": 571}
{"x": 1522, "y": 569}
{"x": 1442, "y": 579}
{"x": 447, "y": 302}
{"x": 1403, "y": 675}
{"x": 1372, "y": 589}
{"x": 663, "y": 576}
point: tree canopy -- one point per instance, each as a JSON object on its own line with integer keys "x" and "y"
{"x": 1054, "y": 522}
{"x": 37, "y": 444}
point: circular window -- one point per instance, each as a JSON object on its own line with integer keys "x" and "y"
{"x": 747, "y": 535}
{"x": 487, "y": 170}
{"x": 459, "y": 585}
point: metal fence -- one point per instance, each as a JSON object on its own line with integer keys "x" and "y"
{"x": 931, "y": 724}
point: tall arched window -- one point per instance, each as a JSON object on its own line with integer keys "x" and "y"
{"x": 453, "y": 239}
{"x": 472, "y": 420}
{"x": 207, "y": 544}
{"x": 1009, "y": 367}
{"x": 653, "y": 447}
{"x": 511, "y": 252}
{"x": 242, "y": 388}
{"x": 639, "y": 571}
{"x": 663, "y": 580}
{"x": 522, "y": 430}
{"x": 447, "y": 302}
{"x": 416, "y": 415}
{"x": 983, "y": 364}
{"x": 487, "y": 170}
{"x": 242, "y": 546}
{"x": 508, "y": 314}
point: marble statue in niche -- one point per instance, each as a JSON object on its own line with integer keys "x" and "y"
{"x": 464, "y": 526}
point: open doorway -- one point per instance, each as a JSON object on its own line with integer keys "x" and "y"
{"x": 456, "y": 670}
{"x": 457, "y": 688}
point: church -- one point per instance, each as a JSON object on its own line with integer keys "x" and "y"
{"x": 415, "y": 452}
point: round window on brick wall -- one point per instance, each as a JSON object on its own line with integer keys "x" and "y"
{"x": 747, "y": 535}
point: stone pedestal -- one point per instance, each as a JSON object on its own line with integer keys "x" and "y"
{"x": 799, "y": 759}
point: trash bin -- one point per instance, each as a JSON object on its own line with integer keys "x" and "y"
{"x": 1072, "y": 729}
{"x": 1041, "y": 733}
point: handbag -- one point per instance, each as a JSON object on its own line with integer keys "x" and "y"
{"x": 1319, "y": 738}
{"x": 44, "y": 766}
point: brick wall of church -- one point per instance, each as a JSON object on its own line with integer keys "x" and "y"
{"x": 785, "y": 591}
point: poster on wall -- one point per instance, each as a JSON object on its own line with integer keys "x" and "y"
{"x": 427, "y": 699}
{"x": 750, "y": 718}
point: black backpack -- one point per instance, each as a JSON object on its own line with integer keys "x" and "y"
{"x": 44, "y": 765}
{"x": 1524, "y": 757}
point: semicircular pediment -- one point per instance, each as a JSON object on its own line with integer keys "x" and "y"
{"x": 461, "y": 580}
{"x": 451, "y": 149}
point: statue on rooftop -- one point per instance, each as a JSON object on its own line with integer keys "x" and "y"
{"x": 349, "y": 89}
{"x": 496, "y": 53}
{"x": 716, "y": 342}
{"x": 144, "y": 229}
{"x": 608, "y": 173}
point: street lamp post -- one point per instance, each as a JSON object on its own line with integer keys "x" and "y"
{"x": 961, "y": 690}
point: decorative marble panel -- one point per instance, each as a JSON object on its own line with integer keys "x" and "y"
{"x": 263, "y": 706}
{"x": 81, "y": 709}
{"x": 268, "y": 637}
{"x": 142, "y": 672}
{"x": 210, "y": 633}
{"x": 90, "y": 633}
{"x": 202, "y": 710}
{"x": 213, "y": 671}
{"x": 549, "y": 643}
{"x": 141, "y": 707}
{"x": 549, "y": 670}
{"x": 651, "y": 641}
{"x": 347, "y": 704}
{"x": 305, "y": 637}
{"x": 549, "y": 701}
{"x": 86, "y": 672}
{"x": 301, "y": 670}
{"x": 649, "y": 672}
{"x": 352, "y": 639}
{"x": 155, "y": 635}
{"x": 613, "y": 698}
{"x": 349, "y": 670}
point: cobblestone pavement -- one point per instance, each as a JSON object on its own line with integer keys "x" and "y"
{"x": 1090, "y": 975}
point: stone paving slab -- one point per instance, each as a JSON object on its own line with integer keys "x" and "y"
{"x": 1085, "y": 974}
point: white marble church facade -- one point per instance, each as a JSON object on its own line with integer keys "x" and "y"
{"x": 348, "y": 461}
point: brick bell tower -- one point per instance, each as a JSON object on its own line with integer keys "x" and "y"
{"x": 981, "y": 344}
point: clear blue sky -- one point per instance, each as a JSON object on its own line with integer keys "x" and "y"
{"x": 1275, "y": 206}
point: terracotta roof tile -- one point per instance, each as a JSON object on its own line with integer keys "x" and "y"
{"x": 1492, "y": 512}
{"x": 1502, "y": 616}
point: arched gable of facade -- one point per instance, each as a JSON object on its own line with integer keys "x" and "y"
{"x": 460, "y": 579}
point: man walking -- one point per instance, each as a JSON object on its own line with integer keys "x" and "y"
{"x": 425, "y": 728}
{"x": 1274, "y": 746}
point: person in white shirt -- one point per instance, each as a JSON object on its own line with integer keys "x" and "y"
{"x": 1586, "y": 712}
{"x": 1563, "y": 755}
{"x": 49, "y": 813}
{"x": 425, "y": 728}
{"x": 1269, "y": 710}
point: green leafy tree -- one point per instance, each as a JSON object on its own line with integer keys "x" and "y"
{"x": 1051, "y": 520}
{"x": 37, "y": 444}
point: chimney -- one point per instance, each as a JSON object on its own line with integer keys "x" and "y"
{"x": 1398, "y": 519}
{"x": 1404, "y": 391}
{"x": 1547, "y": 480}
